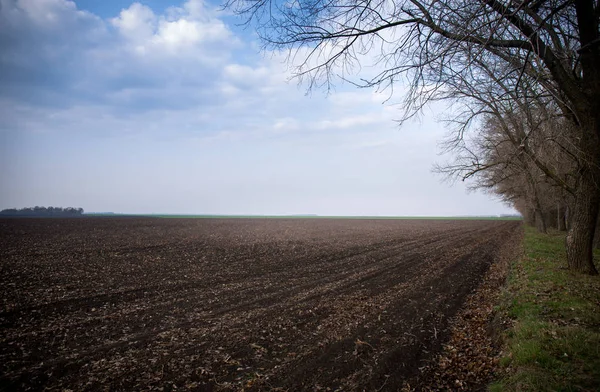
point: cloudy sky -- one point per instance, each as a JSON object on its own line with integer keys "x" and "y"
{"x": 170, "y": 107}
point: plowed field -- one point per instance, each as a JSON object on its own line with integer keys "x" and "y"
{"x": 231, "y": 304}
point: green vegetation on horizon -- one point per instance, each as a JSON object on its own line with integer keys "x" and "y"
{"x": 554, "y": 341}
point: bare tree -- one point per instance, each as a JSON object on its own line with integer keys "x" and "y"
{"x": 554, "y": 44}
{"x": 522, "y": 154}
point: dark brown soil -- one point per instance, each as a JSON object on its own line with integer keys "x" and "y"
{"x": 231, "y": 304}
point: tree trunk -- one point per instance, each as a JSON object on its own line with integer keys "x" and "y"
{"x": 561, "y": 223}
{"x": 540, "y": 222}
{"x": 530, "y": 217}
{"x": 584, "y": 214}
{"x": 583, "y": 226}
{"x": 548, "y": 219}
{"x": 597, "y": 235}
{"x": 587, "y": 196}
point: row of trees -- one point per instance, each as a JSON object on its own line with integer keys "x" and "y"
{"x": 523, "y": 77}
{"x": 43, "y": 211}
{"x": 541, "y": 185}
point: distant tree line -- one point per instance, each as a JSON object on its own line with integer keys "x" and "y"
{"x": 43, "y": 211}
{"x": 529, "y": 160}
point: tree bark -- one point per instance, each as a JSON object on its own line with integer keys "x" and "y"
{"x": 597, "y": 235}
{"x": 540, "y": 222}
{"x": 583, "y": 226}
{"x": 584, "y": 215}
{"x": 551, "y": 223}
{"x": 561, "y": 223}
{"x": 530, "y": 217}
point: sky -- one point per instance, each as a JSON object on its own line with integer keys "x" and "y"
{"x": 171, "y": 107}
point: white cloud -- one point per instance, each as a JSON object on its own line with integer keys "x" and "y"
{"x": 196, "y": 9}
{"x": 243, "y": 74}
{"x": 46, "y": 13}
{"x": 144, "y": 61}
{"x": 183, "y": 32}
{"x": 178, "y": 32}
{"x": 287, "y": 124}
{"x": 348, "y": 122}
{"x": 136, "y": 23}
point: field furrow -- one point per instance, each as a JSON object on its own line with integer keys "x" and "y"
{"x": 231, "y": 304}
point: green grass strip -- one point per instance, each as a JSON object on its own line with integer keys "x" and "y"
{"x": 554, "y": 341}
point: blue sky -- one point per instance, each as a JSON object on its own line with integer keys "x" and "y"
{"x": 168, "y": 107}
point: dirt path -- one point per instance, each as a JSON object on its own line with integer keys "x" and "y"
{"x": 297, "y": 304}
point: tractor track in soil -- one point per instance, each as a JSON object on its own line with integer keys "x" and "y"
{"x": 231, "y": 304}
